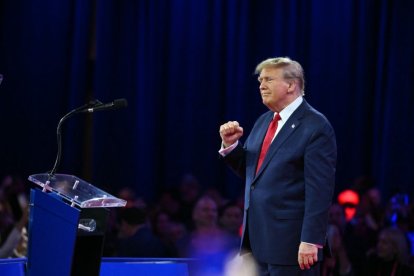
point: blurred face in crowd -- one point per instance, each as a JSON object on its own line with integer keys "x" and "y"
{"x": 375, "y": 196}
{"x": 205, "y": 212}
{"x": 232, "y": 218}
{"x": 336, "y": 215}
{"x": 386, "y": 249}
{"x": 163, "y": 224}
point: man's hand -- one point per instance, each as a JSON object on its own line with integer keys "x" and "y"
{"x": 307, "y": 255}
{"x": 230, "y": 132}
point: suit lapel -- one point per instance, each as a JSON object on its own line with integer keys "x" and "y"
{"x": 288, "y": 128}
{"x": 256, "y": 147}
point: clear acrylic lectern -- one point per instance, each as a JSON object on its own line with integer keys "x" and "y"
{"x": 67, "y": 225}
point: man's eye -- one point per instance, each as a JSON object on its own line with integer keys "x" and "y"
{"x": 266, "y": 80}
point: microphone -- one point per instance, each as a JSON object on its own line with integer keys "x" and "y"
{"x": 94, "y": 105}
{"x": 116, "y": 104}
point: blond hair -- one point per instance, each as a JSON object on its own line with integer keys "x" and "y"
{"x": 291, "y": 69}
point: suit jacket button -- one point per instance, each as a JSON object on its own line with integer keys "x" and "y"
{"x": 252, "y": 187}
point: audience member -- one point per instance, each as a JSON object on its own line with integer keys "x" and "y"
{"x": 112, "y": 227}
{"x": 338, "y": 262}
{"x": 207, "y": 242}
{"x": 337, "y": 217}
{"x": 169, "y": 204}
{"x": 135, "y": 238}
{"x": 14, "y": 244}
{"x": 13, "y": 217}
{"x": 215, "y": 194}
{"x": 360, "y": 246}
{"x": 358, "y": 239}
{"x": 162, "y": 227}
{"x": 391, "y": 256}
{"x": 189, "y": 192}
{"x": 370, "y": 207}
{"x": 126, "y": 193}
{"x": 231, "y": 218}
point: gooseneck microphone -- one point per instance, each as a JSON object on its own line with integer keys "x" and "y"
{"x": 116, "y": 104}
{"x": 92, "y": 106}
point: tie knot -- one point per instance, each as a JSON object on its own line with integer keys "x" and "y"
{"x": 277, "y": 117}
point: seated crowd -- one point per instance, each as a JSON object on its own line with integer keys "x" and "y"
{"x": 365, "y": 235}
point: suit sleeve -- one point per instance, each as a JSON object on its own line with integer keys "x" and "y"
{"x": 319, "y": 172}
{"x": 236, "y": 160}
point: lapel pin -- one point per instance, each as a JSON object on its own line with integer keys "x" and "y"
{"x": 293, "y": 126}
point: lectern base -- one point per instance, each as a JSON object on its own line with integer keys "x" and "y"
{"x": 56, "y": 245}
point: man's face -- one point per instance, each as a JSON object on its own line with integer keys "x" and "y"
{"x": 205, "y": 212}
{"x": 232, "y": 218}
{"x": 274, "y": 89}
{"x": 385, "y": 248}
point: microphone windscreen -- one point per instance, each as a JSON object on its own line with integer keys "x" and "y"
{"x": 120, "y": 103}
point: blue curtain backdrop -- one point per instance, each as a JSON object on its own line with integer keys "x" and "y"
{"x": 186, "y": 67}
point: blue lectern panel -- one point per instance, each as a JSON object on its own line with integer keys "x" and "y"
{"x": 53, "y": 225}
{"x": 128, "y": 268}
{"x": 12, "y": 267}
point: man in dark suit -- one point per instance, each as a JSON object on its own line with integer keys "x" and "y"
{"x": 135, "y": 238}
{"x": 289, "y": 185}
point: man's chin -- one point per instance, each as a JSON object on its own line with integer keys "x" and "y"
{"x": 269, "y": 106}
{"x": 266, "y": 102}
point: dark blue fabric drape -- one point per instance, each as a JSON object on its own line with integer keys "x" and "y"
{"x": 186, "y": 67}
{"x": 42, "y": 58}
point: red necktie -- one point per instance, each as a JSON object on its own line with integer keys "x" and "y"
{"x": 268, "y": 140}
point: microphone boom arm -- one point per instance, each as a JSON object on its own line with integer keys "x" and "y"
{"x": 59, "y": 131}
{"x": 90, "y": 107}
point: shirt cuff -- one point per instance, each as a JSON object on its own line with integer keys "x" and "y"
{"x": 224, "y": 151}
{"x": 317, "y": 245}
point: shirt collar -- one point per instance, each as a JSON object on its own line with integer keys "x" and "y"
{"x": 288, "y": 110}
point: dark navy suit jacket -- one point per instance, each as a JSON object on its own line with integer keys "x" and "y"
{"x": 288, "y": 200}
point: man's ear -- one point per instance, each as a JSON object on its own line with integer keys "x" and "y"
{"x": 292, "y": 86}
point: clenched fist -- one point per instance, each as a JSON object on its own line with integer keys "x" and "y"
{"x": 230, "y": 132}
